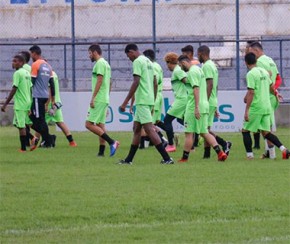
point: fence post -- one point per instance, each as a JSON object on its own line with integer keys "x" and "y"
{"x": 238, "y": 44}
{"x": 73, "y": 45}
{"x": 281, "y": 58}
{"x": 154, "y": 24}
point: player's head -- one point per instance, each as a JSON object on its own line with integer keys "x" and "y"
{"x": 149, "y": 53}
{"x": 95, "y": 52}
{"x": 188, "y": 51}
{"x": 26, "y": 56}
{"x": 203, "y": 53}
{"x": 35, "y": 52}
{"x": 256, "y": 48}
{"x": 171, "y": 60}
{"x": 132, "y": 51}
{"x": 250, "y": 59}
{"x": 248, "y": 43}
{"x": 184, "y": 62}
{"x": 17, "y": 61}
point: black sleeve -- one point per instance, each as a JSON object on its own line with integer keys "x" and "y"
{"x": 51, "y": 83}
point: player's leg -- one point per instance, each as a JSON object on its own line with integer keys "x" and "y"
{"x": 97, "y": 116}
{"x": 102, "y": 143}
{"x": 67, "y": 133}
{"x": 265, "y": 125}
{"x": 210, "y": 139}
{"x": 135, "y": 142}
{"x": 19, "y": 122}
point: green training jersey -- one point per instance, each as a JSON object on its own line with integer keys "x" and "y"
{"x": 27, "y": 67}
{"x": 258, "y": 79}
{"x": 211, "y": 72}
{"x": 102, "y": 68}
{"x": 195, "y": 78}
{"x": 143, "y": 68}
{"x": 158, "y": 72}
{"x": 22, "y": 97}
{"x": 178, "y": 87}
{"x": 268, "y": 64}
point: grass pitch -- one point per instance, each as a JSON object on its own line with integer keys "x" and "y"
{"x": 68, "y": 195}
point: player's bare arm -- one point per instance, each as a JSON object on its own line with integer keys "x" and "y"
{"x": 131, "y": 92}
{"x": 10, "y": 96}
{"x": 249, "y": 99}
{"x": 196, "y": 100}
{"x": 209, "y": 83}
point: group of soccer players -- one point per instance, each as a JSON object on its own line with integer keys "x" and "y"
{"x": 194, "y": 84}
{"x": 35, "y": 90}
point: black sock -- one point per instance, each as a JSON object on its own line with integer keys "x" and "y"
{"x": 162, "y": 151}
{"x": 132, "y": 152}
{"x": 69, "y": 138}
{"x": 101, "y": 150}
{"x": 274, "y": 139}
{"x": 221, "y": 141}
{"x": 185, "y": 155}
{"x": 23, "y": 142}
{"x": 160, "y": 135}
{"x": 142, "y": 142}
{"x": 107, "y": 138}
{"x": 247, "y": 141}
{"x": 196, "y": 136}
{"x": 206, "y": 152}
{"x": 257, "y": 139}
{"x": 217, "y": 149}
{"x": 161, "y": 125}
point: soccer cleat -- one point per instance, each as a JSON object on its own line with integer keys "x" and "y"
{"x": 170, "y": 148}
{"x": 113, "y": 148}
{"x": 73, "y": 144}
{"x": 265, "y": 155}
{"x": 122, "y": 161}
{"x": 22, "y": 151}
{"x": 227, "y": 148}
{"x": 182, "y": 160}
{"x": 222, "y": 156}
{"x": 176, "y": 140}
{"x": 100, "y": 155}
{"x": 286, "y": 154}
{"x": 34, "y": 143}
{"x": 256, "y": 147}
{"x": 170, "y": 161}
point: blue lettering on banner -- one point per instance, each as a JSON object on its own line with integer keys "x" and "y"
{"x": 19, "y": 1}
{"x": 110, "y": 115}
{"x": 128, "y": 115}
{"x": 222, "y": 111}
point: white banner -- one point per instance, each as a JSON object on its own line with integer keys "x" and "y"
{"x": 75, "y": 107}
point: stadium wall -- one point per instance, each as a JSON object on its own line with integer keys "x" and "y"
{"x": 127, "y": 18}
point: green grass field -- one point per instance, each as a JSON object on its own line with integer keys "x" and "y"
{"x": 68, "y": 195}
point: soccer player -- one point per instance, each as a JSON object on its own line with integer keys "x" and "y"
{"x": 101, "y": 83}
{"x": 42, "y": 80}
{"x": 189, "y": 52}
{"x": 258, "y": 107}
{"x": 268, "y": 64}
{"x": 158, "y": 72}
{"x": 197, "y": 109}
{"x": 211, "y": 76}
{"x": 142, "y": 89}
{"x": 177, "y": 109}
{"x": 257, "y": 134}
{"x": 21, "y": 90}
{"x": 54, "y": 113}
{"x": 29, "y": 136}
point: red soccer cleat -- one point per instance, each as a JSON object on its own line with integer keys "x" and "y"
{"x": 222, "y": 156}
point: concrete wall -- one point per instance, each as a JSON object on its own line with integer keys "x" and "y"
{"x": 122, "y": 19}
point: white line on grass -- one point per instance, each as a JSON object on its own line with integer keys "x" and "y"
{"x": 143, "y": 225}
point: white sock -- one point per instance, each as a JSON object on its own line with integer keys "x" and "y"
{"x": 250, "y": 155}
{"x": 282, "y": 148}
{"x": 266, "y": 145}
{"x": 272, "y": 152}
